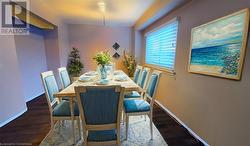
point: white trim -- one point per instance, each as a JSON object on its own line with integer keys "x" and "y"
{"x": 12, "y": 118}
{"x": 184, "y": 125}
{"x": 33, "y": 97}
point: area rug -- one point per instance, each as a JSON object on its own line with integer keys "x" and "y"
{"x": 139, "y": 135}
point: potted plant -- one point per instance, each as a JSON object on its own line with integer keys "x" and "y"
{"x": 129, "y": 63}
{"x": 74, "y": 65}
{"x": 102, "y": 59}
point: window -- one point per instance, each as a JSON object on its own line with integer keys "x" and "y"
{"x": 161, "y": 45}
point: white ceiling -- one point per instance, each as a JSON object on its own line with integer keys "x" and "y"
{"x": 118, "y": 12}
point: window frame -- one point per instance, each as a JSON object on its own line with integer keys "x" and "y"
{"x": 165, "y": 69}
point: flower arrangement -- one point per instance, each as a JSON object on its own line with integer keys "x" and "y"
{"x": 74, "y": 65}
{"x": 129, "y": 63}
{"x": 102, "y": 58}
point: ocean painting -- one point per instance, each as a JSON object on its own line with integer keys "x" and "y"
{"x": 217, "y": 48}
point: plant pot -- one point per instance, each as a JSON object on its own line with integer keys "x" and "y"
{"x": 74, "y": 78}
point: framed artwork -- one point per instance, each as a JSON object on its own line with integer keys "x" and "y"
{"x": 218, "y": 48}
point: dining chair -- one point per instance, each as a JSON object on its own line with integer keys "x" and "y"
{"x": 138, "y": 107}
{"x": 137, "y": 74}
{"x": 100, "y": 110}
{"x": 142, "y": 83}
{"x": 59, "y": 109}
{"x": 64, "y": 77}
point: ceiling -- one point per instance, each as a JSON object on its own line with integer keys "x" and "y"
{"x": 117, "y": 12}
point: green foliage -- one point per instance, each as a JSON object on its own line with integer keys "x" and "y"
{"x": 74, "y": 63}
{"x": 231, "y": 64}
{"x": 129, "y": 63}
{"x": 102, "y": 58}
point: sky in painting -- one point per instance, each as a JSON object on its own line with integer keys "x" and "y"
{"x": 225, "y": 31}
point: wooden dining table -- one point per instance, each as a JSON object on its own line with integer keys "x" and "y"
{"x": 69, "y": 92}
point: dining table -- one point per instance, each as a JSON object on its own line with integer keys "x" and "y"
{"x": 92, "y": 78}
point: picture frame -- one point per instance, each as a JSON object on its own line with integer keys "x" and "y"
{"x": 217, "y": 48}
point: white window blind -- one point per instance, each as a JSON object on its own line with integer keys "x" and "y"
{"x": 161, "y": 45}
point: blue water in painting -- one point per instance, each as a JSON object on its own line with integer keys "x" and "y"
{"x": 213, "y": 56}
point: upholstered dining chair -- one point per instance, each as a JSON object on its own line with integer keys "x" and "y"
{"x": 142, "y": 83}
{"x": 59, "y": 109}
{"x": 64, "y": 77}
{"x": 137, "y": 107}
{"x": 137, "y": 73}
{"x": 100, "y": 110}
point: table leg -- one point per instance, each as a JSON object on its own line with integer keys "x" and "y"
{"x": 72, "y": 118}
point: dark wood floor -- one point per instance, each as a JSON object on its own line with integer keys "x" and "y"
{"x": 33, "y": 125}
{"x": 173, "y": 133}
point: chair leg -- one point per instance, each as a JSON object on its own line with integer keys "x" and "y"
{"x": 151, "y": 126}
{"x": 78, "y": 125}
{"x": 59, "y": 126}
{"x": 84, "y": 135}
{"x": 127, "y": 121}
{"x": 73, "y": 131}
{"x": 63, "y": 123}
{"x": 145, "y": 116}
{"x": 124, "y": 117}
{"x": 118, "y": 141}
{"x": 72, "y": 119}
{"x": 52, "y": 125}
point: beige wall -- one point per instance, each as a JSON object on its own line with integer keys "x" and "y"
{"x": 12, "y": 98}
{"x": 15, "y": 71}
{"x": 214, "y": 108}
{"x": 89, "y": 39}
{"x": 32, "y": 61}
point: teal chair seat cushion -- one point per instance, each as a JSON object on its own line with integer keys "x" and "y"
{"x": 105, "y": 135}
{"x": 132, "y": 106}
{"x": 63, "y": 109}
{"x": 133, "y": 94}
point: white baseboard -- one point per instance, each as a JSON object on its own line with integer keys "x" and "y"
{"x": 184, "y": 125}
{"x": 33, "y": 97}
{"x": 12, "y": 118}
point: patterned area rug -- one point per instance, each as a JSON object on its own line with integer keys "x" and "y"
{"x": 139, "y": 135}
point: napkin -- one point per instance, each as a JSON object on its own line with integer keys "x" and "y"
{"x": 121, "y": 78}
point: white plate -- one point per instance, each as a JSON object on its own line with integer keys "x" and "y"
{"x": 103, "y": 82}
{"x": 85, "y": 78}
{"x": 91, "y": 73}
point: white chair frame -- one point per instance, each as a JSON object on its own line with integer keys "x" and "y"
{"x": 55, "y": 101}
{"x": 86, "y": 127}
{"x": 150, "y": 112}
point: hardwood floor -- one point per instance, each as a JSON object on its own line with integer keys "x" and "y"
{"x": 173, "y": 133}
{"x": 33, "y": 125}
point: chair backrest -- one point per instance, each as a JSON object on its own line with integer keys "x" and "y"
{"x": 64, "y": 77}
{"x": 144, "y": 77}
{"x": 50, "y": 87}
{"x": 137, "y": 73}
{"x": 153, "y": 83}
{"x": 100, "y": 106}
